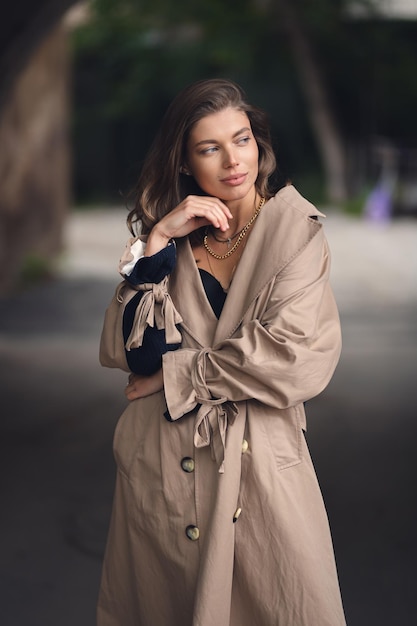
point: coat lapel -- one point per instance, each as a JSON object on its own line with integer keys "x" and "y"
{"x": 281, "y": 231}
{"x": 189, "y": 298}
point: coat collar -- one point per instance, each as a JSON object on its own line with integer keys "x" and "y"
{"x": 282, "y": 230}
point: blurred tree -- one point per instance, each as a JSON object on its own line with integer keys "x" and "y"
{"x": 132, "y": 58}
{"x": 325, "y": 126}
{"x": 295, "y": 58}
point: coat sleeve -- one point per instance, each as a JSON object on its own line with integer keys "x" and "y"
{"x": 145, "y": 357}
{"x": 285, "y": 358}
{"x": 141, "y": 322}
{"x": 112, "y": 351}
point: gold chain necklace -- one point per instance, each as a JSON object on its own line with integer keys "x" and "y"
{"x": 221, "y": 257}
{"x": 228, "y": 240}
{"x": 213, "y": 274}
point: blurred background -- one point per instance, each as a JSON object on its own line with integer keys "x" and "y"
{"x": 83, "y": 86}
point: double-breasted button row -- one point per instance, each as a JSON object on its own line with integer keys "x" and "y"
{"x": 188, "y": 464}
{"x": 192, "y": 532}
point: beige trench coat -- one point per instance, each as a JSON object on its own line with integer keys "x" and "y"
{"x": 178, "y": 552}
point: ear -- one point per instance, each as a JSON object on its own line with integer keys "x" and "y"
{"x": 184, "y": 170}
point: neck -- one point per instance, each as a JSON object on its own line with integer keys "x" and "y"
{"x": 242, "y": 211}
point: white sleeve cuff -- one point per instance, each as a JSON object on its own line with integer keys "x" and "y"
{"x": 134, "y": 251}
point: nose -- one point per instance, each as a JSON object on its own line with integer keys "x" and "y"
{"x": 230, "y": 159}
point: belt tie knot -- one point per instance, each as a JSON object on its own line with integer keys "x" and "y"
{"x": 211, "y": 423}
{"x": 213, "y": 416}
{"x": 154, "y": 309}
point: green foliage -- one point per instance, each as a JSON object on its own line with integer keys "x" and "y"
{"x": 130, "y": 60}
{"x": 355, "y": 205}
{"x": 147, "y": 48}
{"x": 35, "y": 269}
{"x": 133, "y": 56}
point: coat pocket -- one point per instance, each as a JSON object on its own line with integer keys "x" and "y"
{"x": 137, "y": 430}
{"x": 282, "y": 435}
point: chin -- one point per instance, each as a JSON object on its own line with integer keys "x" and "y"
{"x": 238, "y": 193}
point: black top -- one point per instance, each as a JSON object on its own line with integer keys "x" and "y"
{"x": 214, "y": 291}
{"x": 153, "y": 269}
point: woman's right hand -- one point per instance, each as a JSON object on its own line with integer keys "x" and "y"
{"x": 142, "y": 386}
{"x": 192, "y": 213}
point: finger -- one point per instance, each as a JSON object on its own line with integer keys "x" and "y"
{"x": 132, "y": 394}
{"x": 127, "y": 391}
{"x": 130, "y": 387}
{"x": 192, "y": 213}
{"x": 216, "y": 205}
{"x": 210, "y": 209}
{"x": 213, "y": 201}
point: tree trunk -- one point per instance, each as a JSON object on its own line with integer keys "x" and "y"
{"x": 35, "y": 160}
{"x": 324, "y": 125}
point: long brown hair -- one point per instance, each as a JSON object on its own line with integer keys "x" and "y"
{"x": 161, "y": 185}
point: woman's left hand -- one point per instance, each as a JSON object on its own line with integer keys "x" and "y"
{"x": 141, "y": 386}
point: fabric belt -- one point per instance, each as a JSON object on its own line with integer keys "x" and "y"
{"x": 213, "y": 416}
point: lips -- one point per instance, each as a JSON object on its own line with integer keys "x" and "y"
{"x": 235, "y": 179}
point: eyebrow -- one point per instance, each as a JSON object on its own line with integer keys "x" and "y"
{"x": 245, "y": 129}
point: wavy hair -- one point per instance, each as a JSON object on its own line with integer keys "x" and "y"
{"x": 161, "y": 185}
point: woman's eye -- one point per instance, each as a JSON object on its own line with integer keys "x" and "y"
{"x": 209, "y": 150}
{"x": 242, "y": 141}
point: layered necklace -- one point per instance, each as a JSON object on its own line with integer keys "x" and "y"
{"x": 240, "y": 236}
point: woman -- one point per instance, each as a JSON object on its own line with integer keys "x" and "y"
{"x": 228, "y": 324}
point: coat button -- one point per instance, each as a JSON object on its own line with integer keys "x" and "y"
{"x": 237, "y": 515}
{"x": 245, "y": 446}
{"x": 192, "y": 532}
{"x": 188, "y": 464}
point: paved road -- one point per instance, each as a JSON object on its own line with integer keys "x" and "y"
{"x": 58, "y": 410}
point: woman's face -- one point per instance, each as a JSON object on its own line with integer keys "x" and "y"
{"x": 222, "y": 155}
